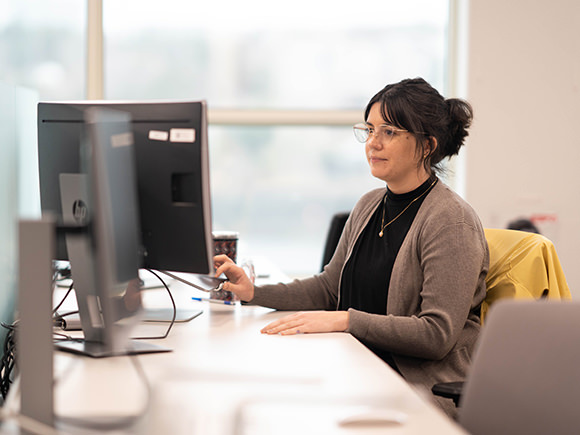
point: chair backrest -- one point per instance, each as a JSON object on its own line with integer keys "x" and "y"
{"x": 333, "y": 236}
{"x": 522, "y": 265}
{"x": 525, "y": 375}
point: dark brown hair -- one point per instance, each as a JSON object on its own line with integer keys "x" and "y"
{"x": 414, "y": 105}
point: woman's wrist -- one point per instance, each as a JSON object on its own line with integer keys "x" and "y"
{"x": 251, "y": 294}
{"x": 342, "y": 325}
{"x": 346, "y": 321}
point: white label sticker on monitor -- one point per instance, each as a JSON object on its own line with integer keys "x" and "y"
{"x": 122, "y": 140}
{"x": 158, "y": 135}
{"x": 182, "y": 135}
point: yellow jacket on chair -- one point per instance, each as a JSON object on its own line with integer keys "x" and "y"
{"x": 522, "y": 265}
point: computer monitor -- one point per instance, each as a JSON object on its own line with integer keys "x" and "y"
{"x": 172, "y": 165}
{"x": 100, "y": 204}
{"x": 171, "y": 159}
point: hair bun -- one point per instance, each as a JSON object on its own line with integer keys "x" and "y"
{"x": 460, "y": 117}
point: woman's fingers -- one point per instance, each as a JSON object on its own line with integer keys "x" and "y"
{"x": 220, "y": 260}
{"x": 286, "y": 325}
{"x": 228, "y": 268}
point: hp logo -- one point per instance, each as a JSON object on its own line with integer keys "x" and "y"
{"x": 80, "y": 211}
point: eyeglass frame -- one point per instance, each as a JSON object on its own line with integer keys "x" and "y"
{"x": 361, "y": 126}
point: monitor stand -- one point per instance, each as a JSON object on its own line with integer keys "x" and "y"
{"x": 98, "y": 350}
{"x": 166, "y": 315}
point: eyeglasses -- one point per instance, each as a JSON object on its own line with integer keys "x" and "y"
{"x": 384, "y": 132}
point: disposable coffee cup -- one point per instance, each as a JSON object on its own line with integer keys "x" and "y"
{"x": 225, "y": 242}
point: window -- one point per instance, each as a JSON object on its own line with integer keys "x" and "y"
{"x": 42, "y": 46}
{"x": 277, "y": 185}
{"x": 261, "y": 54}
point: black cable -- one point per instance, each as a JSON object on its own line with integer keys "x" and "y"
{"x": 172, "y": 322}
{"x": 64, "y": 298}
{"x": 58, "y": 320}
{"x": 8, "y": 361}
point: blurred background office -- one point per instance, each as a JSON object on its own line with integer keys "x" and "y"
{"x": 285, "y": 82}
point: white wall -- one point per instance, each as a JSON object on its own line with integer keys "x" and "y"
{"x": 523, "y": 154}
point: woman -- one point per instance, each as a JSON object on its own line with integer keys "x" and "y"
{"x": 408, "y": 274}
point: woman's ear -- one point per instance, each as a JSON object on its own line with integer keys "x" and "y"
{"x": 431, "y": 146}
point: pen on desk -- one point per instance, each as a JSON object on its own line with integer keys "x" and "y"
{"x": 215, "y": 301}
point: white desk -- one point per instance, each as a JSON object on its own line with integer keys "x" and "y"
{"x": 224, "y": 377}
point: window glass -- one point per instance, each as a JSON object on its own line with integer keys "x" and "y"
{"x": 278, "y": 186}
{"x": 42, "y": 46}
{"x": 256, "y": 53}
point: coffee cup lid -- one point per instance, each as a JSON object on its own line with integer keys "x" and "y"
{"x": 227, "y": 235}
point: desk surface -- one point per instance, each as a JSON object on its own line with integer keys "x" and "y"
{"x": 224, "y": 377}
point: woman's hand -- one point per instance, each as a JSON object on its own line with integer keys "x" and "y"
{"x": 238, "y": 282}
{"x": 309, "y": 321}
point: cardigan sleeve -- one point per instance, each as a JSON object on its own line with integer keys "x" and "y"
{"x": 314, "y": 293}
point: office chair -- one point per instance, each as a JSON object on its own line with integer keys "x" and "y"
{"x": 524, "y": 378}
{"x": 333, "y": 236}
{"x": 522, "y": 265}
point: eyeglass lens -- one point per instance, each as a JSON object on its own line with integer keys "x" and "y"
{"x": 362, "y": 132}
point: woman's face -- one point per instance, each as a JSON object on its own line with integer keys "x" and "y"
{"x": 392, "y": 156}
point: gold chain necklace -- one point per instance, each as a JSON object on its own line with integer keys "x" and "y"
{"x": 383, "y": 225}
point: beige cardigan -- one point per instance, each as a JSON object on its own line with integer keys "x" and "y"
{"x": 437, "y": 285}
